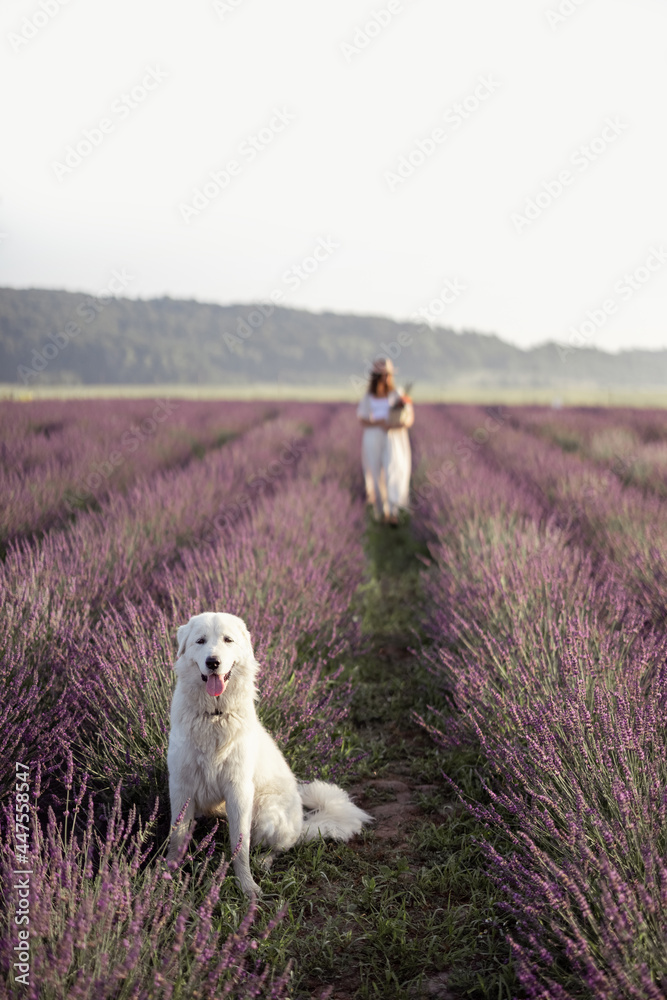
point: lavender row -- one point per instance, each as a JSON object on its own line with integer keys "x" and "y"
{"x": 57, "y": 458}
{"x": 618, "y": 523}
{"x": 547, "y": 657}
{"x": 72, "y": 575}
{"x": 630, "y": 443}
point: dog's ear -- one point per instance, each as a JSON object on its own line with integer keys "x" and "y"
{"x": 182, "y": 636}
{"x": 243, "y": 629}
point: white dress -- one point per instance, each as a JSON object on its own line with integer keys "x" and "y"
{"x": 385, "y": 456}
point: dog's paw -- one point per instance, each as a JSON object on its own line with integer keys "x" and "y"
{"x": 266, "y": 861}
{"x": 251, "y": 889}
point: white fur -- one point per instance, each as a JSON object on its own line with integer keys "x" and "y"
{"x": 227, "y": 763}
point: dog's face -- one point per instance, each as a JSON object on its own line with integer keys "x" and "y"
{"x": 212, "y": 645}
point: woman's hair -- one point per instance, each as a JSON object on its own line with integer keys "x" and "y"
{"x": 375, "y": 379}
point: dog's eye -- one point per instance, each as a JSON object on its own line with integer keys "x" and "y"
{"x": 227, "y": 639}
{"x": 201, "y": 641}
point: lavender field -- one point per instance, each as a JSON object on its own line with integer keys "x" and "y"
{"x": 490, "y": 681}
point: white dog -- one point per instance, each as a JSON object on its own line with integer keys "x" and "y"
{"x": 222, "y": 761}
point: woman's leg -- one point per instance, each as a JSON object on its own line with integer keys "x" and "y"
{"x": 398, "y": 469}
{"x": 372, "y": 459}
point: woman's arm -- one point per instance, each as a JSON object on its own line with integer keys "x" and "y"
{"x": 374, "y": 423}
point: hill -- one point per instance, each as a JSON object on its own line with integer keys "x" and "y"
{"x": 56, "y": 337}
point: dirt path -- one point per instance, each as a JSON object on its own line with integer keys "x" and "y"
{"x": 407, "y": 904}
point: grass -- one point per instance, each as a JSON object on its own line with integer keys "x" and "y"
{"x": 566, "y": 395}
{"x": 199, "y": 448}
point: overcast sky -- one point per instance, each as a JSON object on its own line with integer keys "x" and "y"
{"x": 498, "y": 166}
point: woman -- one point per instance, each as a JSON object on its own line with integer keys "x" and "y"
{"x": 385, "y": 447}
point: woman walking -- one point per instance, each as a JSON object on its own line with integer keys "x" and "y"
{"x": 385, "y": 414}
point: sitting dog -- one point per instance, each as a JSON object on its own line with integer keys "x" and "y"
{"x": 222, "y": 761}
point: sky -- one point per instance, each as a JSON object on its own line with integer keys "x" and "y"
{"x": 486, "y": 166}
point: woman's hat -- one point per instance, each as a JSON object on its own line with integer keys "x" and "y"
{"x": 383, "y": 366}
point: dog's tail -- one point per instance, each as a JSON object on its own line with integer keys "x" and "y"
{"x": 332, "y": 813}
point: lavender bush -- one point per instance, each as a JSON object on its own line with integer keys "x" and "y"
{"x": 267, "y": 527}
{"x": 104, "y": 924}
{"x": 544, "y": 649}
{"x": 60, "y": 457}
{"x": 631, "y": 443}
{"x": 109, "y": 555}
{"x": 615, "y": 521}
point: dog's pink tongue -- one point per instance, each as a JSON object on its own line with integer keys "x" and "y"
{"x": 214, "y": 685}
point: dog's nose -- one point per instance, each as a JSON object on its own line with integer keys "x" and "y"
{"x": 212, "y": 662}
